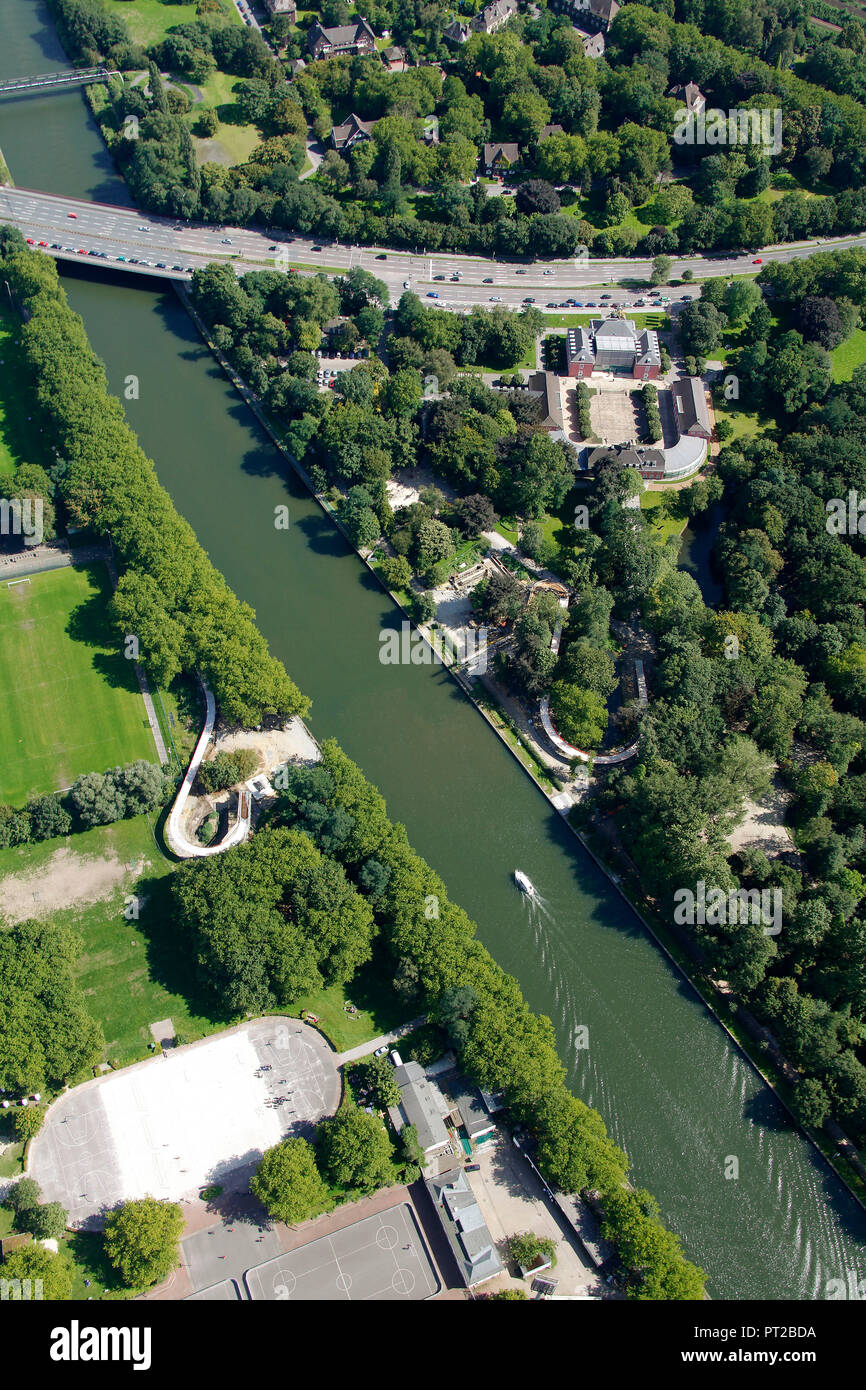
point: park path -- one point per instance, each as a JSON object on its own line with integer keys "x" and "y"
{"x": 161, "y": 750}
{"x": 354, "y": 1054}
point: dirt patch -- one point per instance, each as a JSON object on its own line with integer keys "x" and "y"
{"x": 64, "y": 881}
{"x": 763, "y": 826}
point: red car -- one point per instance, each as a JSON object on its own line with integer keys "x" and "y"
{"x": 43, "y": 243}
{"x": 758, "y": 262}
{"x": 81, "y": 251}
{"x": 72, "y": 214}
{"x": 30, "y": 241}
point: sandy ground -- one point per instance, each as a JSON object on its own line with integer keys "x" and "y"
{"x": 65, "y": 878}
{"x": 273, "y": 747}
{"x": 763, "y": 825}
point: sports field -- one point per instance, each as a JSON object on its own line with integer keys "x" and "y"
{"x": 70, "y": 701}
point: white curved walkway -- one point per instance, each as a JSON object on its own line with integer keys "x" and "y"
{"x": 175, "y": 837}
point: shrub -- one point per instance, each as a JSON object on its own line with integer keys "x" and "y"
{"x": 227, "y": 769}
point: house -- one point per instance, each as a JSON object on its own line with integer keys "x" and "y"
{"x": 545, "y": 387}
{"x": 471, "y": 1242}
{"x": 613, "y": 344}
{"x": 422, "y": 1105}
{"x": 691, "y": 96}
{"x": 593, "y": 44}
{"x": 455, "y": 32}
{"x": 476, "y": 1120}
{"x": 498, "y": 157}
{"x": 395, "y": 59}
{"x": 296, "y": 65}
{"x": 288, "y": 8}
{"x": 650, "y": 463}
{"x": 690, "y": 408}
{"x": 597, "y": 14}
{"x": 352, "y": 131}
{"x": 494, "y": 15}
{"x": 345, "y": 38}
{"x": 548, "y": 130}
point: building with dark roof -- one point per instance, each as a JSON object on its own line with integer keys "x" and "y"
{"x": 494, "y": 15}
{"x": 593, "y": 44}
{"x": 351, "y": 132}
{"x": 690, "y": 408}
{"x": 596, "y": 14}
{"x": 691, "y": 96}
{"x": 498, "y": 156}
{"x": 471, "y": 1242}
{"x": 545, "y": 386}
{"x": 344, "y": 38}
{"x": 476, "y": 1120}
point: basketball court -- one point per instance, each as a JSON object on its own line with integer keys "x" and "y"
{"x": 378, "y": 1259}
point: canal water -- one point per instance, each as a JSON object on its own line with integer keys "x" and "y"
{"x": 675, "y": 1093}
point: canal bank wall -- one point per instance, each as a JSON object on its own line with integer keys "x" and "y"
{"x": 458, "y": 676}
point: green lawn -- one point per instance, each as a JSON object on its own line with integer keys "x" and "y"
{"x": 378, "y": 1009}
{"x": 20, "y": 440}
{"x": 849, "y": 355}
{"x": 236, "y": 139}
{"x": 149, "y": 20}
{"x": 661, "y": 528}
{"x": 579, "y": 319}
{"x": 70, "y": 700}
{"x": 131, "y": 971}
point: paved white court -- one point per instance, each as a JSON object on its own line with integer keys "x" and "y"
{"x": 201, "y": 1114}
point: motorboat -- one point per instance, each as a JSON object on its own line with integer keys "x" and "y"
{"x": 524, "y": 884}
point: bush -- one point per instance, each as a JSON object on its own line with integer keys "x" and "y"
{"x": 28, "y": 1121}
{"x": 227, "y": 769}
{"x": 100, "y": 798}
{"x": 141, "y": 1240}
{"x": 526, "y": 1249}
{"x": 48, "y": 818}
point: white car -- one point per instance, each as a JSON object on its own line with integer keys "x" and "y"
{"x": 380, "y": 1051}
{"x": 496, "y": 299}
{"x": 144, "y": 229}
{"x": 405, "y": 284}
{"x": 548, "y": 272}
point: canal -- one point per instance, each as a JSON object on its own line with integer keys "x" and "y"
{"x": 671, "y": 1087}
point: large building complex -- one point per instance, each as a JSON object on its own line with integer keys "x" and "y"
{"x": 614, "y": 344}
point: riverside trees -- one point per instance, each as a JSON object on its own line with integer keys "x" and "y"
{"x": 186, "y": 611}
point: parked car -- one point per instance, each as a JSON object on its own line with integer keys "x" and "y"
{"x": 380, "y": 1051}
{"x": 473, "y": 1167}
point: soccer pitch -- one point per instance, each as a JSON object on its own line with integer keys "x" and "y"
{"x": 69, "y": 700}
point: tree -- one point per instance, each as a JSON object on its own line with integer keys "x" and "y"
{"x": 47, "y": 1222}
{"x": 537, "y": 196}
{"x": 48, "y": 818}
{"x": 355, "y": 511}
{"x": 23, "y": 1196}
{"x": 701, "y": 327}
{"x": 289, "y": 1185}
{"x": 355, "y": 1150}
{"x": 28, "y": 1121}
{"x": 50, "y": 1273}
{"x": 580, "y": 715}
{"x": 527, "y": 1249}
{"x": 141, "y": 1240}
{"x": 741, "y": 299}
{"x": 661, "y": 272}
{"x": 821, "y": 321}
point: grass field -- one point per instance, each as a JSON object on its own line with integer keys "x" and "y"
{"x": 149, "y": 20}
{"x": 70, "y": 700}
{"x": 849, "y": 355}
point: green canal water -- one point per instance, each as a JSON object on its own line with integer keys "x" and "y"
{"x": 672, "y": 1088}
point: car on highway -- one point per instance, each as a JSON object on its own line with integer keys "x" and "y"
{"x": 177, "y": 267}
{"x": 121, "y": 258}
{"x": 591, "y": 304}
{"x": 273, "y": 248}
{"x": 405, "y": 284}
{"x": 91, "y": 252}
{"x": 432, "y": 294}
{"x": 607, "y": 296}
{"x": 81, "y": 251}
{"x": 161, "y": 265}
{"x": 142, "y": 228}
{"x": 191, "y": 268}
{"x": 43, "y": 243}
{"x": 132, "y": 260}
{"x": 529, "y": 300}
{"x": 521, "y": 270}
{"x": 382, "y": 256}
{"x": 552, "y": 304}
{"x": 496, "y": 299}
{"x": 70, "y": 249}
{"x": 315, "y": 248}
{"x": 438, "y": 277}
{"x": 455, "y": 279}
{"x": 548, "y": 272}
{"x": 72, "y": 214}
{"x": 489, "y": 280}
{"x": 30, "y": 241}
{"x": 226, "y": 241}
{"x": 757, "y": 261}
{"x": 55, "y": 246}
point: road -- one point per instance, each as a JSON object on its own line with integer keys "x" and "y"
{"x": 110, "y": 231}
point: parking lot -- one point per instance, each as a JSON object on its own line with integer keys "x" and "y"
{"x": 179, "y": 1122}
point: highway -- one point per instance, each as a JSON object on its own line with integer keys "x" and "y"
{"x": 72, "y": 229}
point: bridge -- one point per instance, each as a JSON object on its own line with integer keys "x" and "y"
{"x": 55, "y": 81}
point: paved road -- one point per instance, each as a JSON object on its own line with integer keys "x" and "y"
{"x": 384, "y": 1040}
{"x": 115, "y": 231}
